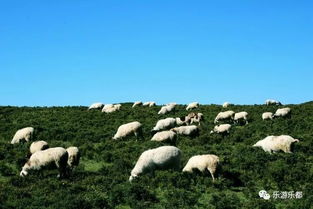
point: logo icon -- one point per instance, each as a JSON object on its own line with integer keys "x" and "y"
{"x": 263, "y": 194}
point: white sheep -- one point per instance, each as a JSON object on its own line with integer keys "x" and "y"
{"x": 180, "y": 121}
{"x": 164, "y": 124}
{"x": 167, "y": 108}
{"x": 226, "y": 104}
{"x": 186, "y": 130}
{"x": 227, "y": 115}
{"x": 165, "y": 157}
{"x": 194, "y": 118}
{"x": 272, "y": 102}
{"x": 150, "y": 104}
{"x": 129, "y": 128}
{"x": 37, "y": 146}
{"x": 43, "y": 158}
{"x": 241, "y": 116}
{"x": 109, "y": 108}
{"x": 282, "y": 112}
{"x": 221, "y": 129}
{"x": 267, "y": 115}
{"x": 118, "y": 106}
{"x": 276, "y": 143}
{"x": 164, "y": 136}
{"x": 24, "y": 133}
{"x": 73, "y": 156}
{"x": 192, "y": 105}
{"x": 138, "y": 103}
{"x": 202, "y": 163}
{"x": 97, "y": 105}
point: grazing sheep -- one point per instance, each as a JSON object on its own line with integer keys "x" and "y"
{"x": 241, "y": 116}
{"x": 226, "y": 104}
{"x": 276, "y": 143}
{"x": 37, "y": 146}
{"x": 221, "y": 129}
{"x": 138, "y": 103}
{"x": 24, "y": 133}
{"x": 192, "y": 105}
{"x": 272, "y": 102}
{"x": 227, "y": 115}
{"x": 194, "y": 118}
{"x": 267, "y": 115}
{"x": 43, "y": 158}
{"x": 167, "y": 108}
{"x": 150, "y": 104}
{"x": 165, "y": 157}
{"x": 282, "y": 112}
{"x": 73, "y": 157}
{"x": 129, "y": 128}
{"x": 187, "y": 130}
{"x": 164, "y": 136}
{"x": 172, "y": 103}
{"x": 180, "y": 121}
{"x": 164, "y": 124}
{"x": 97, "y": 105}
{"x": 109, "y": 108}
{"x": 202, "y": 162}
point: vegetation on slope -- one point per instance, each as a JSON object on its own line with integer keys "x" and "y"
{"x": 101, "y": 180}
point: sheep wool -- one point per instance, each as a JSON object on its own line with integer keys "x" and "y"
{"x": 167, "y": 108}
{"x": 164, "y": 136}
{"x": 109, "y": 108}
{"x": 276, "y": 143}
{"x": 127, "y": 129}
{"x": 194, "y": 118}
{"x": 192, "y": 105}
{"x": 226, "y": 104}
{"x": 243, "y": 116}
{"x": 97, "y": 105}
{"x": 224, "y": 115}
{"x": 164, "y": 124}
{"x": 37, "y": 146}
{"x": 180, "y": 121}
{"x": 272, "y": 102}
{"x": 186, "y": 130}
{"x": 138, "y": 103}
{"x": 267, "y": 116}
{"x": 150, "y": 104}
{"x": 24, "y": 133}
{"x": 220, "y": 129}
{"x": 282, "y": 112}
{"x": 73, "y": 156}
{"x": 202, "y": 162}
{"x": 165, "y": 157}
{"x": 40, "y": 159}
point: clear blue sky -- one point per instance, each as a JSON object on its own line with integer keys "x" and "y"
{"x": 79, "y": 52}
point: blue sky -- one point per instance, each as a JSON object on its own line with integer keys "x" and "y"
{"x": 78, "y": 52}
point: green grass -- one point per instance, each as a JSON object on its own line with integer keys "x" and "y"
{"x": 101, "y": 179}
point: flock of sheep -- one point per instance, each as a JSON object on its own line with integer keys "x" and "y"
{"x": 42, "y": 155}
{"x": 164, "y": 157}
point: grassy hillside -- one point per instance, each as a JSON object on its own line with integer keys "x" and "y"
{"x": 101, "y": 180}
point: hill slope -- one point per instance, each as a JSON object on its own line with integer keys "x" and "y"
{"x": 101, "y": 180}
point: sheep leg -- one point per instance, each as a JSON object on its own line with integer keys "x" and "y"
{"x": 211, "y": 172}
{"x": 27, "y": 137}
{"x": 57, "y": 164}
{"x": 287, "y": 149}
